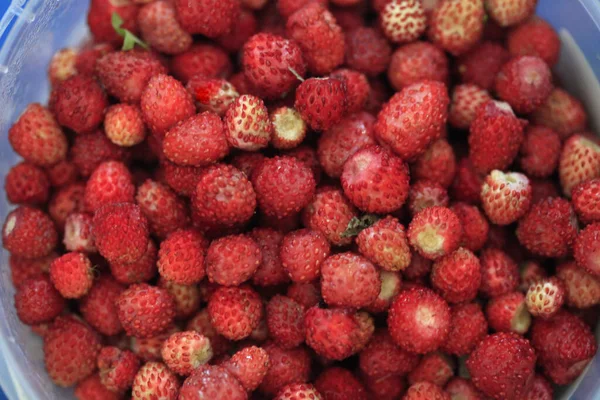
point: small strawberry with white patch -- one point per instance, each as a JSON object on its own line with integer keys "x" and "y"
{"x": 506, "y": 197}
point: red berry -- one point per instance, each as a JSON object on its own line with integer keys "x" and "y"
{"x": 302, "y": 253}
{"x": 437, "y": 164}
{"x": 23, "y": 269}
{"x": 506, "y": 197}
{"x": 155, "y": 379}
{"x": 289, "y": 129}
{"x": 139, "y": 271}
{"x": 183, "y": 352}
{"x": 475, "y": 226}
{"x": 424, "y": 194}
{"x": 584, "y": 200}
{"x": 235, "y": 311}
{"x": 337, "y": 383}
{"x": 306, "y": 294}
{"x": 540, "y": 151}
{"x": 160, "y": 28}
{"x": 287, "y": 366}
{"x": 509, "y": 313}
{"x": 91, "y": 388}
{"x": 545, "y": 297}
{"x": 509, "y": 12}
{"x": 98, "y": 307}
{"x": 232, "y": 260}
{"x": 330, "y": 212}
{"x": 457, "y": 276}
{"x": 499, "y": 274}
{"x": 37, "y": 301}
{"x": 467, "y": 327}
{"x": 181, "y": 257}
{"x": 78, "y": 104}
{"x": 357, "y": 88}
{"x": 271, "y": 271}
{"x": 203, "y": 59}
{"x": 461, "y": 388}
{"x": 562, "y": 113}
{"x": 72, "y": 275}
{"x": 367, "y": 51}
{"x": 425, "y": 391}
{"x": 579, "y": 161}
{"x": 29, "y": 233}
{"x": 99, "y": 19}
{"x": 466, "y": 99}
{"x": 298, "y": 391}
{"x": 210, "y": 18}
{"x": 117, "y": 368}
{"x": 247, "y": 124}
{"x": 436, "y": 368}
{"x": 145, "y": 311}
{"x": 481, "y": 65}
{"x": 435, "y": 232}
{"x": 249, "y": 365}
{"x": 467, "y": 183}
{"x": 385, "y": 244}
{"x": 456, "y": 26}
{"x": 403, "y": 20}
{"x": 382, "y": 357}
{"x": 62, "y": 66}
{"x": 586, "y": 249}
{"x": 26, "y": 184}
{"x": 285, "y": 320}
{"x": 535, "y": 37}
{"x": 111, "y": 182}
{"x": 321, "y": 102}
{"x": 92, "y": 149}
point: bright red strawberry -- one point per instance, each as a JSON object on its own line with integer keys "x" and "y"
{"x": 462, "y": 389}
{"x": 249, "y": 365}
{"x": 62, "y": 173}
{"x": 510, "y": 364}
{"x": 165, "y": 211}
{"x": 457, "y": 276}
{"x": 287, "y": 366}
{"x": 349, "y": 280}
{"x": 385, "y": 244}
{"x": 65, "y": 201}
{"x": 37, "y": 301}
{"x": 159, "y": 28}
{"x": 148, "y": 349}
{"x": 382, "y": 357}
{"x": 329, "y": 94}
{"x": 145, "y": 311}
{"x": 26, "y": 184}
{"x": 467, "y": 327}
{"x": 124, "y": 125}
{"x": 285, "y": 319}
{"x": 584, "y": 200}
{"x": 467, "y": 183}
{"x": 419, "y": 320}
{"x": 302, "y": 253}
{"x": 562, "y": 113}
{"x": 436, "y": 368}
{"x": 283, "y": 186}
{"x": 535, "y": 37}
{"x": 247, "y": 124}
{"x": 202, "y": 59}
{"x": 499, "y": 273}
{"x": 510, "y": 12}
{"x": 357, "y": 88}
{"x": 308, "y": 156}
{"x": 545, "y": 297}
{"x": 155, "y": 379}
{"x": 29, "y": 233}
{"x": 91, "y": 388}
{"x": 72, "y": 275}
{"x": 437, "y": 164}
{"x": 456, "y": 26}
{"x": 235, "y": 311}
{"x": 466, "y": 99}
{"x": 425, "y": 391}
{"x": 245, "y": 25}
{"x": 424, "y": 194}
{"x": 475, "y": 226}
{"x": 403, "y": 20}
{"x": 183, "y": 352}
{"x": 415, "y": 62}
{"x": 320, "y": 38}
{"x": 23, "y": 269}
{"x": 367, "y": 51}
{"x": 117, "y": 368}
{"x": 506, "y": 197}
{"x": 99, "y": 19}
{"x": 337, "y": 333}
{"x": 271, "y": 271}
{"x": 232, "y": 260}
{"x": 182, "y": 179}
{"x": 330, "y": 212}
{"x": 509, "y": 313}
{"x": 272, "y": 64}
{"x": 549, "y": 228}
{"x": 212, "y": 382}
{"x": 337, "y": 383}
{"x": 90, "y": 150}
{"x": 165, "y": 102}
{"x": 70, "y": 351}
{"x": 181, "y": 257}
{"x": 540, "y": 151}
{"x": 579, "y": 161}
{"x": 83, "y": 94}
{"x": 435, "y": 232}
{"x": 481, "y": 65}
{"x": 212, "y": 94}
{"x": 582, "y": 288}
{"x": 98, "y": 307}
{"x": 223, "y": 196}
{"x": 111, "y": 182}
{"x": 289, "y": 129}
{"x": 141, "y": 270}
{"x": 413, "y": 118}
{"x": 587, "y": 249}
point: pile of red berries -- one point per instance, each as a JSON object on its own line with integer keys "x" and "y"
{"x": 308, "y": 199}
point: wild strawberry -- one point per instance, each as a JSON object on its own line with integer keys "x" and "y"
{"x": 155, "y": 379}
{"x": 582, "y": 288}
{"x": 579, "y": 161}
{"x": 321, "y": 39}
{"x": 83, "y": 94}
{"x": 181, "y": 257}
{"x": 285, "y": 320}
{"x": 98, "y": 307}
{"x": 249, "y": 365}
{"x": 37, "y": 301}
{"x": 387, "y": 388}
{"x": 287, "y": 7}
{"x": 424, "y": 194}
{"x": 545, "y": 297}
{"x": 145, "y": 311}
{"x": 148, "y": 349}
{"x": 419, "y": 320}
{"x": 117, "y": 368}
{"x": 65, "y": 201}
{"x": 299, "y": 391}
{"x": 506, "y": 197}
{"x": 99, "y": 19}
{"x": 435, "y": 232}
{"x": 475, "y": 226}
{"x": 586, "y": 249}
{"x": 87, "y": 56}
{"x": 361, "y": 283}
{"x": 23, "y": 269}
{"x": 245, "y": 25}
{"x": 62, "y": 66}
{"x": 509, "y": 313}
{"x": 182, "y": 179}
{"x": 90, "y": 150}
{"x": 425, "y": 390}
{"x": 382, "y": 357}
{"x": 499, "y": 273}
{"x": 287, "y": 366}
{"x": 235, "y": 311}
{"x": 437, "y": 164}
{"x": 72, "y": 275}
{"x": 540, "y": 389}
{"x": 211, "y": 19}
{"x": 183, "y": 352}
{"x": 337, "y": 333}
{"x": 247, "y": 124}
{"x": 26, "y": 184}
{"x": 62, "y": 173}
{"x": 165, "y": 211}
{"x": 367, "y": 51}
{"x": 525, "y": 83}
{"x": 91, "y": 388}
{"x": 232, "y": 260}
{"x": 212, "y": 94}
{"x": 111, "y": 182}
{"x": 212, "y": 382}
{"x": 302, "y": 253}
{"x": 508, "y": 12}
{"x": 308, "y": 156}
{"x": 330, "y": 212}
{"x": 457, "y": 26}
{"x": 321, "y": 102}
{"x": 467, "y": 183}
{"x": 160, "y": 28}
{"x": 549, "y": 228}
{"x": 202, "y": 59}
{"x": 540, "y": 151}
{"x": 436, "y": 368}
{"x": 468, "y": 326}
{"x": 272, "y": 63}
{"x": 385, "y": 244}
{"x": 247, "y": 162}
{"x": 413, "y": 118}
{"x": 341, "y": 141}
{"x": 461, "y": 388}
{"x": 271, "y": 271}
{"x": 139, "y": 271}
{"x": 466, "y": 99}
{"x": 121, "y": 232}
{"x": 403, "y": 20}
{"x": 584, "y": 201}
{"x": 124, "y": 125}
{"x": 306, "y": 294}
{"x": 457, "y": 276}
{"x": 29, "y": 233}
{"x": 514, "y": 361}
{"x": 481, "y": 65}
{"x": 357, "y": 88}
{"x": 70, "y": 351}
{"x": 289, "y": 129}
{"x": 562, "y": 113}
{"x": 165, "y": 102}
{"x": 535, "y": 37}
{"x": 415, "y": 62}
{"x": 187, "y": 297}
{"x": 337, "y": 383}
{"x": 283, "y": 186}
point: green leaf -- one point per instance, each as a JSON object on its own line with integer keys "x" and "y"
{"x": 357, "y": 224}
{"x": 129, "y": 39}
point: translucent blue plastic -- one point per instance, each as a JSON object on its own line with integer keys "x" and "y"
{"x": 33, "y": 30}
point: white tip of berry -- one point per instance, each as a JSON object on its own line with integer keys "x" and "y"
{"x": 10, "y": 224}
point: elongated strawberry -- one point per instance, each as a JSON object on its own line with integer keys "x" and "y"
{"x": 385, "y": 244}
{"x": 321, "y": 102}
{"x": 247, "y": 124}
{"x": 159, "y": 27}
